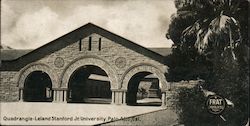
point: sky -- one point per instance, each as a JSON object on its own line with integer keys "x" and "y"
{"x": 29, "y": 24}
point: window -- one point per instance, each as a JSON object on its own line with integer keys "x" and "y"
{"x": 90, "y": 40}
{"x": 80, "y": 45}
{"x": 100, "y": 44}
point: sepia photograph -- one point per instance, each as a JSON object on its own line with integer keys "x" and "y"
{"x": 124, "y": 62}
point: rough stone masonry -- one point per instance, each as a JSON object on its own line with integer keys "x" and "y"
{"x": 88, "y": 45}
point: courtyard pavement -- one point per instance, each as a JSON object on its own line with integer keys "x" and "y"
{"x": 37, "y": 113}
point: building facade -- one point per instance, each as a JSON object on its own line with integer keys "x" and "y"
{"x": 59, "y": 67}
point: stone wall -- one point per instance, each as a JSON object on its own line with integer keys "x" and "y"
{"x": 112, "y": 56}
{"x": 110, "y": 52}
{"x": 175, "y": 86}
{"x": 8, "y": 87}
{"x": 184, "y": 84}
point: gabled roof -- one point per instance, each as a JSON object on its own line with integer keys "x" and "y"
{"x": 12, "y": 54}
{"x": 70, "y": 38}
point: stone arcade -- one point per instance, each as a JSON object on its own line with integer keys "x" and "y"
{"x": 61, "y": 70}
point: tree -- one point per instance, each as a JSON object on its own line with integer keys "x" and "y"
{"x": 213, "y": 33}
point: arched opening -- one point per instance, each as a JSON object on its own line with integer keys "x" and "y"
{"x": 143, "y": 90}
{"x": 37, "y": 87}
{"x": 89, "y": 84}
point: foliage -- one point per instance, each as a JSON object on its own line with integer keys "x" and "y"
{"x": 143, "y": 93}
{"x": 186, "y": 65}
{"x": 192, "y": 108}
{"x": 211, "y": 42}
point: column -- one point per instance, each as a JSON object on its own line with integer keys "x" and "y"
{"x": 20, "y": 95}
{"x": 54, "y": 95}
{"x": 124, "y": 98}
{"x": 113, "y": 98}
{"x": 118, "y": 96}
{"x": 60, "y": 95}
{"x": 65, "y": 96}
{"x": 163, "y": 99}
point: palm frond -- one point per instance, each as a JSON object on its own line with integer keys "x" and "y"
{"x": 223, "y": 33}
{"x": 202, "y": 40}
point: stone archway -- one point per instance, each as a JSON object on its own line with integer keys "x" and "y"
{"x": 89, "y": 60}
{"x": 37, "y": 67}
{"x": 94, "y": 61}
{"x": 144, "y": 68}
{"x": 163, "y": 84}
{"x": 26, "y": 71}
{"x": 89, "y": 84}
{"x": 37, "y": 87}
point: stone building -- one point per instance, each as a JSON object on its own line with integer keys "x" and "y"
{"x": 60, "y": 70}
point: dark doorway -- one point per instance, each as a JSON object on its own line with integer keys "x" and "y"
{"x": 37, "y": 87}
{"x": 89, "y": 84}
{"x": 143, "y": 90}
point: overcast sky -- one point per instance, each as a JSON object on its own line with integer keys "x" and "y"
{"x": 27, "y": 24}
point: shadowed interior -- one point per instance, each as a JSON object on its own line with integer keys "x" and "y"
{"x": 89, "y": 84}
{"x": 143, "y": 90}
{"x": 37, "y": 87}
